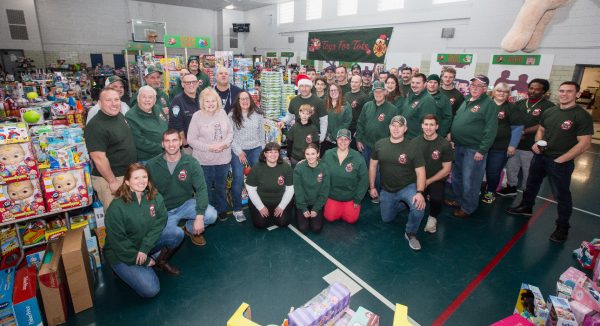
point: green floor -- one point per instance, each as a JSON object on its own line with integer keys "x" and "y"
{"x": 275, "y": 270}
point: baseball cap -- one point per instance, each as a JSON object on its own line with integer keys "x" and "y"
{"x": 378, "y": 85}
{"x": 367, "y": 72}
{"x": 398, "y": 119}
{"x": 481, "y": 78}
{"x": 344, "y": 133}
{"x": 112, "y": 79}
{"x": 152, "y": 69}
{"x": 355, "y": 66}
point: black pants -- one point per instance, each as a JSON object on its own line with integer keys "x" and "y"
{"x": 264, "y": 222}
{"x": 436, "y": 196}
{"x": 314, "y": 224}
{"x": 559, "y": 175}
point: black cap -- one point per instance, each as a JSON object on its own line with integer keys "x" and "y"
{"x": 481, "y": 78}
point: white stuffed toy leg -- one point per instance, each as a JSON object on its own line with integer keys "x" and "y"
{"x": 538, "y": 33}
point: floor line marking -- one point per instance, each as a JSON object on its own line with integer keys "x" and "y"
{"x": 460, "y": 299}
{"x": 348, "y": 272}
{"x": 575, "y": 208}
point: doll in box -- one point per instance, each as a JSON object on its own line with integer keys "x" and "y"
{"x": 24, "y": 199}
{"x": 17, "y": 162}
{"x": 69, "y": 191}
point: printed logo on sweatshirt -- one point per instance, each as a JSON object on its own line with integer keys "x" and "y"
{"x": 320, "y": 177}
{"x": 349, "y": 167}
{"x": 152, "y": 210}
{"x": 566, "y": 125}
{"x": 162, "y": 116}
{"x": 402, "y": 158}
{"x": 308, "y": 139}
{"x": 501, "y": 115}
{"x": 536, "y": 112}
{"x": 381, "y": 117}
{"x": 475, "y": 109}
{"x": 201, "y": 82}
{"x": 435, "y": 155}
{"x": 354, "y": 104}
{"x": 281, "y": 180}
{"x": 182, "y": 175}
{"x": 163, "y": 101}
{"x": 452, "y": 100}
{"x": 414, "y": 105}
{"x": 175, "y": 110}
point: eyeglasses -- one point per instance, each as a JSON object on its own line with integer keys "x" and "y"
{"x": 189, "y": 82}
{"x": 503, "y": 92}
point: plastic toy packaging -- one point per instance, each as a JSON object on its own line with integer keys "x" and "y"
{"x": 21, "y": 199}
{"x": 11, "y": 133}
{"x": 17, "y": 163}
{"x": 66, "y": 188}
{"x": 33, "y": 232}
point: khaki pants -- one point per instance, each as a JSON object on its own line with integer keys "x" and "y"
{"x": 103, "y": 190}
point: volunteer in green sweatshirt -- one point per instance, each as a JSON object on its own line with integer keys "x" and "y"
{"x": 349, "y": 180}
{"x": 135, "y": 231}
{"x": 147, "y": 124}
{"x": 444, "y": 107}
{"x": 180, "y": 179}
{"x": 152, "y": 77}
{"x": 311, "y": 188}
{"x": 418, "y": 104}
{"x": 473, "y": 132}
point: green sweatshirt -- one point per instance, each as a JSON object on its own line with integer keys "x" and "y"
{"x": 444, "y": 113}
{"x": 373, "y": 123}
{"x": 162, "y": 99}
{"x": 475, "y": 124}
{"x": 337, "y": 121}
{"x": 301, "y": 135}
{"x": 405, "y": 89}
{"x": 133, "y": 227}
{"x": 350, "y": 179}
{"x": 147, "y": 130}
{"x": 186, "y": 182}
{"x": 356, "y": 101}
{"x": 311, "y": 186}
{"x": 414, "y": 109}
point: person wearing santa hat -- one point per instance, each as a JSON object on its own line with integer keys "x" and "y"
{"x": 319, "y": 118}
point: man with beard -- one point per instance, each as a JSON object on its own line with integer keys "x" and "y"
{"x": 367, "y": 81}
{"x": 319, "y": 117}
{"x": 227, "y": 91}
{"x": 405, "y": 74}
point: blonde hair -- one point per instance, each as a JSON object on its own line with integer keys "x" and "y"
{"x": 210, "y": 92}
{"x": 307, "y": 107}
{"x": 500, "y": 87}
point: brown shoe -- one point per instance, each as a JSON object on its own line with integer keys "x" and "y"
{"x": 163, "y": 264}
{"x": 460, "y": 213}
{"x": 451, "y": 203}
{"x": 198, "y": 240}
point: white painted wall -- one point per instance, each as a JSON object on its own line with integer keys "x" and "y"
{"x": 28, "y": 6}
{"x": 230, "y": 17}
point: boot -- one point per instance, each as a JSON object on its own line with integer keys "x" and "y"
{"x": 163, "y": 264}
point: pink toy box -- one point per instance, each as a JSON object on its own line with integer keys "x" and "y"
{"x": 21, "y": 199}
{"x": 66, "y": 188}
{"x": 17, "y": 163}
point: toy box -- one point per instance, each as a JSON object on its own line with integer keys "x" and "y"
{"x": 364, "y": 317}
{"x": 34, "y": 257}
{"x": 513, "y": 320}
{"x": 567, "y": 282}
{"x": 25, "y": 302}
{"x": 8, "y": 239}
{"x": 52, "y": 284}
{"x": 322, "y": 308}
{"x": 560, "y": 312}
{"x": 587, "y": 294}
{"x": 17, "y": 163}
{"x": 33, "y": 232}
{"x": 580, "y": 311}
{"x": 7, "y": 280}
{"x": 12, "y": 133}
{"x": 92, "y": 246}
{"x": 66, "y": 188}
{"x": 54, "y": 234}
{"x": 596, "y": 271}
{"x": 21, "y": 199}
{"x": 100, "y": 226}
{"x": 531, "y": 304}
{"x": 68, "y": 156}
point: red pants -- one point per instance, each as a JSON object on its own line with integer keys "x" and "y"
{"x": 335, "y": 210}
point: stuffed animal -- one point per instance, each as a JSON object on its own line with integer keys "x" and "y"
{"x": 528, "y": 29}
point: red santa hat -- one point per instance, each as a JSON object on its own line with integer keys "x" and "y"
{"x": 303, "y": 80}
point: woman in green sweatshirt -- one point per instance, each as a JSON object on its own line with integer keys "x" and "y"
{"x": 311, "y": 188}
{"x": 134, "y": 231}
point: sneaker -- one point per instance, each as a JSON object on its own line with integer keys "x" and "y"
{"x": 560, "y": 234}
{"x": 520, "y": 210}
{"x": 430, "y": 227}
{"x": 239, "y": 216}
{"x": 508, "y": 191}
{"x": 413, "y": 242}
{"x": 488, "y": 197}
{"x": 375, "y": 200}
{"x": 223, "y": 216}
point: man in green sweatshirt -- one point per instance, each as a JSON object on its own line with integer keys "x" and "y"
{"x": 473, "y": 132}
{"x": 179, "y": 178}
{"x": 405, "y": 76}
{"x": 444, "y": 108}
{"x": 417, "y": 105}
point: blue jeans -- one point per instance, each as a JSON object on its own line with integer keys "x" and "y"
{"x": 187, "y": 212}
{"x": 391, "y": 205}
{"x": 216, "y": 176}
{"x": 237, "y": 171}
{"x": 467, "y": 175}
{"x": 366, "y": 153}
{"x": 559, "y": 175}
{"x": 143, "y": 279}
{"x": 496, "y": 160}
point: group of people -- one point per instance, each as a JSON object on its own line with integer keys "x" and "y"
{"x": 165, "y": 159}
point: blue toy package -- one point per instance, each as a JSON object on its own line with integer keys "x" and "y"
{"x": 7, "y": 281}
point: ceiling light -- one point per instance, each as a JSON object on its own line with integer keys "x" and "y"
{"x": 230, "y": 6}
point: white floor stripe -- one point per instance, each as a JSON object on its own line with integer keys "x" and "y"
{"x": 272, "y": 227}
{"x": 348, "y": 272}
{"x": 575, "y": 208}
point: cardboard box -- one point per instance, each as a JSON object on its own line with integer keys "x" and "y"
{"x": 560, "y": 312}
{"x": 77, "y": 269}
{"x": 364, "y": 317}
{"x": 53, "y": 285}
{"x": 7, "y": 280}
{"x": 13, "y": 132}
{"x": 531, "y": 304}
{"x": 25, "y": 302}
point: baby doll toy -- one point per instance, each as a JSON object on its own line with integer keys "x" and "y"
{"x": 24, "y": 199}
{"x": 68, "y": 191}
{"x": 16, "y": 163}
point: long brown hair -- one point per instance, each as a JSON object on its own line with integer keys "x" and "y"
{"x": 391, "y": 96}
{"x": 236, "y": 111}
{"x": 328, "y": 100}
{"x": 124, "y": 191}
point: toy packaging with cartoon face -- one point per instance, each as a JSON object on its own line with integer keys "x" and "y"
{"x": 66, "y": 188}
{"x": 560, "y": 312}
{"x": 21, "y": 199}
{"x": 17, "y": 163}
{"x": 12, "y": 133}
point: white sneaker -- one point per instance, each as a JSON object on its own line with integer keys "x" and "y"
{"x": 239, "y": 216}
{"x": 430, "y": 227}
{"x": 413, "y": 242}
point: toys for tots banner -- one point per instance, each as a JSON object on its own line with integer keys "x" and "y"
{"x": 361, "y": 45}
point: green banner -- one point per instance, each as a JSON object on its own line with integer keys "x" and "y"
{"x": 305, "y": 62}
{"x": 286, "y": 54}
{"x": 454, "y": 59}
{"x": 517, "y": 59}
{"x": 189, "y": 42}
{"x": 135, "y": 46}
{"x": 271, "y": 54}
{"x": 361, "y": 45}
